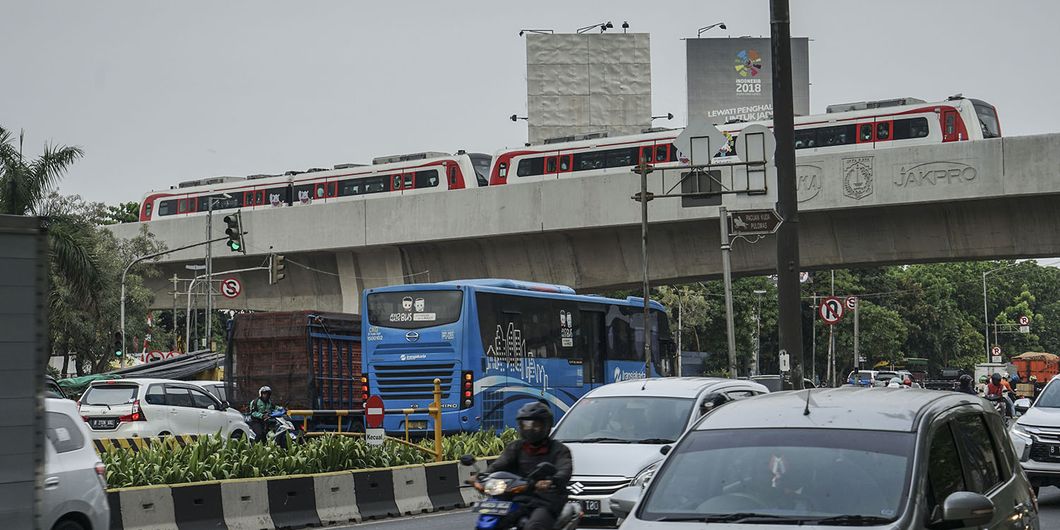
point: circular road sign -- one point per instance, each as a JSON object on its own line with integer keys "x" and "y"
{"x": 852, "y": 302}
{"x": 1025, "y": 320}
{"x": 831, "y": 310}
{"x": 231, "y": 287}
{"x": 996, "y": 350}
{"x": 373, "y": 412}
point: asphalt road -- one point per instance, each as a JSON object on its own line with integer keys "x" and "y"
{"x": 1048, "y": 503}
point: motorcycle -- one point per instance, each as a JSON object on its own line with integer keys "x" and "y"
{"x": 1001, "y": 406}
{"x": 280, "y": 429}
{"x": 505, "y": 506}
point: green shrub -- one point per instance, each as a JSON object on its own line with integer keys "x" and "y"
{"x": 217, "y": 458}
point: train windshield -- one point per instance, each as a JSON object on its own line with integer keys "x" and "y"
{"x": 482, "y": 167}
{"x": 987, "y": 119}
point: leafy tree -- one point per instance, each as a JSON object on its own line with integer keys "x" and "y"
{"x": 126, "y": 212}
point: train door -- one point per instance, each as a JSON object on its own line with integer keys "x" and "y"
{"x": 883, "y": 130}
{"x": 593, "y": 348}
{"x": 558, "y": 165}
{"x": 950, "y": 127}
{"x": 866, "y": 136}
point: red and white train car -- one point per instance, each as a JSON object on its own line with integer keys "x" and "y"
{"x": 387, "y": 176}
{"x": 849, "y": 127}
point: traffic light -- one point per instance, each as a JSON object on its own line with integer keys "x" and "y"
{"x": 277, "y": 266}
{"x": 235, "y": 232}
{"x": 117, "y": 344}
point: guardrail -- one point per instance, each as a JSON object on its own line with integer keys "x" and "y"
{"x": 434, "y": 411}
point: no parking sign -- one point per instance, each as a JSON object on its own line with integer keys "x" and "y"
{"x": 231, "y": 287}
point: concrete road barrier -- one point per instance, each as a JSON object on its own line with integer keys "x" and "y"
{"x": 294, "y": 501}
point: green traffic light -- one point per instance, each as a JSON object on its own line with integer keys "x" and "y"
{"x": 117, "y": 354}
{"x": 234, "y": 245}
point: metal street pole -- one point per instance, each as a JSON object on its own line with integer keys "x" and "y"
{"x": 986, "y": 321}
{"x": 790, "y": 318}
{"x": 758, "y": 331}
{"x": 680, "y": 330}
{"x": 726, "y": 270}
{"x": 646, "y": 324}
{"x": 813, "y": 341}
{"x": 209, "y": 268}
{"x": 857, "y": 351}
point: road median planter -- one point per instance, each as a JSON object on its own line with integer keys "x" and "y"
{"x": 295, "y": 501}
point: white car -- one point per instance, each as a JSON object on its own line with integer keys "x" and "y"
{"x": 126, "y": 408}
{"x": 74, "y": 493}
{"x": 617, "y": 433}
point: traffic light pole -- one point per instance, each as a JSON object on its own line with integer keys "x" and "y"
{"x": 209, "y": 270}
{"x": 147, "y": 257}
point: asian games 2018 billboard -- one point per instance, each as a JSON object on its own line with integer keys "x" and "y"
{"x": 733, "y": 78}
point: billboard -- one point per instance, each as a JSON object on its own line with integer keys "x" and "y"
{"x": 578, "y": 84}
{"x": 733, "y": 78}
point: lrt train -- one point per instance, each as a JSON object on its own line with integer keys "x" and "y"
{"x": 387, "y": 176}
{"x": 847, "y": 127}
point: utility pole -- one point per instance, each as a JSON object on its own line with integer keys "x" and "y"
{"x": 726, "y": 271}
{"x": 173, "y": 344}
{"x": 790, "y": 317}
{"x": 644, "y": 168}
{"x": 209, "y": 267}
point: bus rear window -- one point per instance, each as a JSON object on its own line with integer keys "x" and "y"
{"x": 414, "y": 309}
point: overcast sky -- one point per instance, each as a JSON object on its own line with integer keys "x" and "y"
{"x": 161, "y": 92}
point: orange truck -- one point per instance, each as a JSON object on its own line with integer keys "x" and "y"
{"x": 1043, "y": 366}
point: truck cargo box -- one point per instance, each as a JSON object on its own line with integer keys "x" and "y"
{"x": 311, "y": 360}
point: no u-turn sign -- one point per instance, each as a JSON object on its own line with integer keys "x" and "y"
{"x": 831, "y": 310}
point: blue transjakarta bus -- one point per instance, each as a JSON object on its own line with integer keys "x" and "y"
{"x": 498, "y": 344}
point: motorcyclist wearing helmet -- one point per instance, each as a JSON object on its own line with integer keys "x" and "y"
{"x": 533, "y": 448}
{"x": 998, "y": 388}
{"x": 260, "y": 409}
{"x": 964, "y": 384}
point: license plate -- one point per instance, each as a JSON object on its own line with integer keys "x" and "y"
{"x": 591, "y": 507}
{"x": 1054, "y": 450}
{"x": 417, "y": 424}
{"x": 103, "y": 423}
{"x": 493, "y": 507}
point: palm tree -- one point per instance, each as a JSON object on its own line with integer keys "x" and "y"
{"x": 24, "y": 186}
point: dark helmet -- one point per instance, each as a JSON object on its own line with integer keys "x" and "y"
{"x": 535, "y": 421}
{"x": 965, "y": 380}
{"x": 996, "y": 378}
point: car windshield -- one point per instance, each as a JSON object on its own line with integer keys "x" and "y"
{"x": 625, "y": 420}
{"x": 1050, "y": 397}
{"x": 798, "y": 474}
{"x": 109, "y": 395}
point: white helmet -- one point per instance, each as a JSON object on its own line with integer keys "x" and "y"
{"x": 264, "y": 389}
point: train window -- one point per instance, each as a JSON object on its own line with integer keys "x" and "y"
{"x": 661, "y": 154}
{"x": 550, "y": 164}
{"x": 837, "y": 135}
{"x": 910, "y": 128}
{"x": 531, "y": 167}
{"x": 621, "y": 157}
{"x": 408, "y": 181}
{"x": 374, "y": 185}
{"x": 167, "y": 207}
{"x": 349, "y": 187}
{"x": 303, "y": 193}
{"x": 426, "y": 179}
{"x": 235, "y": 200}
{"x": 278, "y": 196}
{"x": 806, "y": 138}
{"x": 865, "y": 134}
{"x": 564, "y": 162}
{"x": 395, "y": 183}
{"x": 587, "y": 161}
{"x": 183, "y": 206}
{"x": 883, "y": 131}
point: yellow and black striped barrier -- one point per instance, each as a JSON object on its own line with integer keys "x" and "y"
{"x": 110, "y": 445}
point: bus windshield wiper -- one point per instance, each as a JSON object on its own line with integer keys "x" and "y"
{"x": 851, "y": 520}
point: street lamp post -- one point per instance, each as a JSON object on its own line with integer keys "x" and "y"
{"x": 986, "y": 318}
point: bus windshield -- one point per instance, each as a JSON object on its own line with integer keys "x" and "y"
{"x": 414, "y": 309}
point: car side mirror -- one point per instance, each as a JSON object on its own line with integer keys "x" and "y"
{"x": 967, "y": 509}
{"x": 1022, "y": 405}
{"x": 624, "y": 500}
{"x": 226, "y": 405}
{"x": 665, "y": 450}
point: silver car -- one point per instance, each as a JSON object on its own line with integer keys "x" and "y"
{"x": 615, "y": 432}
{"x": 1036, "y": 436}
{"x": 877, "y": 457}
{"x": 74, "y": 493}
